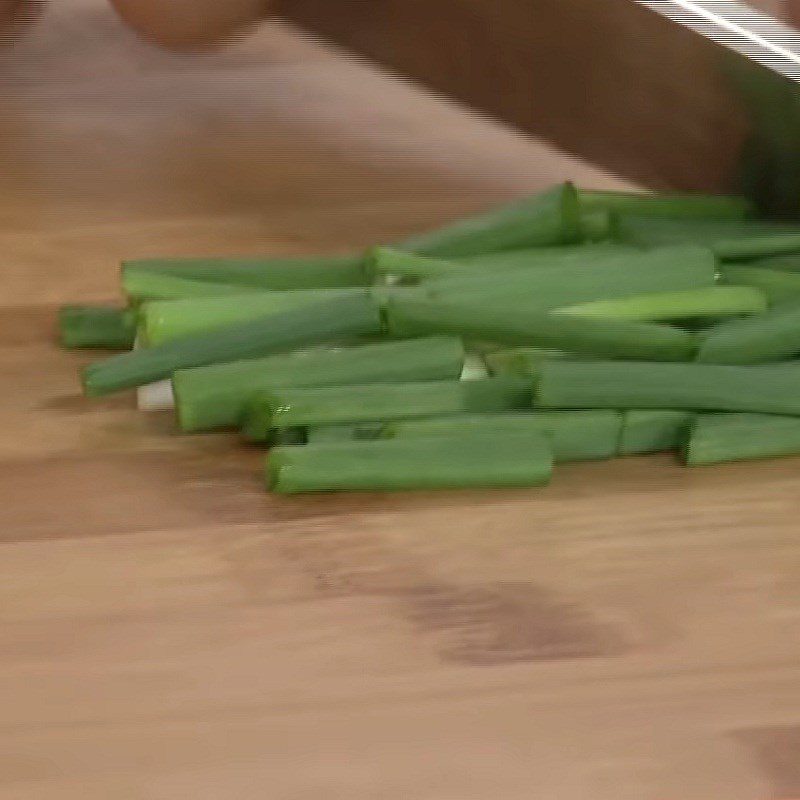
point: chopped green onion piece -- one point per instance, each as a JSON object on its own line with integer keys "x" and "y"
{"x": 216, "y": 396}
{"x": 310, "y": 325}
{"x": 717, "y": 438}
{"x": 789, "y": 262}
{"x": 653, "y": 430}
{"x": 337, "y": 405}
{"x": 585, "y": 335}
{"x": 546, "y": 256}
{"x": 276, "y": 274}
{"x": 598, "y": 226}
{"x": 671, "y": 206}
{"x": 287, "y": 436}
{"x": 773, "y": 389}
{"x": 442, "y": 462}
{"x": 574, "y": 435}
{"x": 668, "y": 269}
{"x": 663, "y": 232}
{"x": 387, "y": 261}
{"x": 696, "y": 325}
{"x": 162, "y": 321}
{"x": 777, "y": 285}
{"x": 772, "y": 336}
{"x": 742, "y": 249}
{"x": 97, "y": 326}
{"x": 521, "y": 361}
{"x": 711, "y": 301}
{"x": 141, "y": 285}
{"x": 321, "y": 434}
{"x": 730, "y": 241}
{"x": 552, "y": 217}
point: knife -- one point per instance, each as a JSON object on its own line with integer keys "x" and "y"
{"x": 739, "y": 28}
{"x": 673, "y": 94}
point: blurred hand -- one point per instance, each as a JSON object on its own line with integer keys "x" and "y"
{"x": 16, "y": 12}
{"x": 176, "y": 24}
{"x": 189, "y": 23}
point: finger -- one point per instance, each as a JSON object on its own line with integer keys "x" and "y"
{"x": 189, "y": 24}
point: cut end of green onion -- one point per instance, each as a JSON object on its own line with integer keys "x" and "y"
{"x": 102, "y": 327}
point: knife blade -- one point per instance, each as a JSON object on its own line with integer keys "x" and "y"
{"x": 673, "y": 94}
{"x": 761, "y": 65}
{"x": 738, "y": 27}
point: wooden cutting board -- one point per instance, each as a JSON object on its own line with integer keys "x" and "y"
{"x": 168, "y": 631}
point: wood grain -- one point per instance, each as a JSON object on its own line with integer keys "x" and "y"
{"x": 167, "y": 630}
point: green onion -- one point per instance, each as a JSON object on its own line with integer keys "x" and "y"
{"x": 390, "y": 262}
{"x": 596, "y": 337}
{"x": 730, "y": 241}
{"x": 387, "y": 261}
{"x": 552, "y": 217}
{"x": 663, "y": 232}
{"x": 162, "y": 321}
{"x": 546, "y": 256}
{"x": 773, "y": 389}
{"x": 303, "y": 326}
{"x": 713, "y": 301}
{"x": 674, "y": 206}
{"x": 647, "y": 232}
{"x": 442, "y": 462}
{"x": 789, "y": 262}
{"x": 777, "y": 285}
{"x": 216, "y": 396}
{"x": 668, "y": 269}
{"x": 573, "y": 435}
{"x": 653, "y": 430}
{"x": 288, "y": 436}
{"x": 142, "y": 285}
{"x": 598, "y": 226}
{"x": 772, "y": 336}
{"x": 322, "y": 434}
{"x": 97, "y": 326}
{"x": 743, "y": 249}
{"x": 717, "y": 438}
{"x": 337, "y": 405}
{"x": 276, "y": 274}
{"x": 522, "y": 361}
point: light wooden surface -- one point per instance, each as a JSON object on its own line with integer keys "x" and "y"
{"x": 168, "y": 631}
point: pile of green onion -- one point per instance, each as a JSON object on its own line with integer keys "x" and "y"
{"x": 572, "y": 325}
